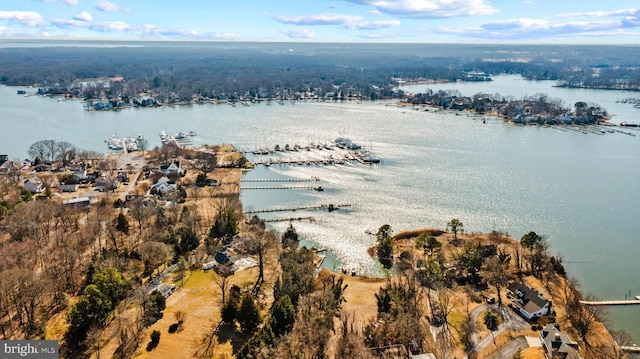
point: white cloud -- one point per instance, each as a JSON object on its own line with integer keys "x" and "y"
{"x": 430, "y": 9}
{"x": 61, "y": 23}
{"x": 322, "y": 19}
{"x": 26, "y": 18}
{"x": 143, "y": 31}
{"x": 84, "y": 16}
{"x": 348, "y": 21}
{"x": 298, "y": 33}
{"x": 373, "y": 25}
{"x": 108, "y": 6}
{"x": 66, "y": 2}
{"x": 616, "y": 13}
{"x": 533, "y": 29}
{"x": 110, "y": 26}
{"x": 591, "y": 24}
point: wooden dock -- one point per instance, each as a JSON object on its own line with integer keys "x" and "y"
{"x": 611, "y": 302}
{"x": 317, "y": 188}
{"x": 312, "y": 179}
{"x": 630, "y": 349}
{"x": 310, "y": 219}
{"x": 329, "y": 207}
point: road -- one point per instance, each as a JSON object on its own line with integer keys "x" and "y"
{"x": 510, "y": 320}
{"x": 126, "y": 161}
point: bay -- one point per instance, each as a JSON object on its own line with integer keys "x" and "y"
{"x": 581, "y": 191}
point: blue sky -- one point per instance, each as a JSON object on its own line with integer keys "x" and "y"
{"x": 419, "y": 21}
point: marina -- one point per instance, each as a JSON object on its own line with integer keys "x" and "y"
{"x": 180, "y": 139}
{"x": 125, "y": 144}
{"x": 341, "y": 152}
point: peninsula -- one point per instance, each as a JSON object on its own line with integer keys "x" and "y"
{"x": 159, "y": 260}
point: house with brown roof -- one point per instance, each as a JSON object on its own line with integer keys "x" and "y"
{"x": 529, "y": 303}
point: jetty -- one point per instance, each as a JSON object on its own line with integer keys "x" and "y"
{"x": 329, "y": 207}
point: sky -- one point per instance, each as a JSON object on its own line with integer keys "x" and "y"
{"x": 399, "y": 21}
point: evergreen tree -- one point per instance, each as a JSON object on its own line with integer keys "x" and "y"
{"x": 385, "y": 246}
{"x": 248, "y": 314}
{"x": 283, "y": 315}
{"x": 122, "y": 224}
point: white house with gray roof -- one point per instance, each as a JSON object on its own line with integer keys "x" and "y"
{"x": 528, "y": 302}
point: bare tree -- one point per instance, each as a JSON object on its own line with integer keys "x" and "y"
{"x": 586, "y": 319}
{"x": 224, "y": 271}
{"x": 498, "y": 268}
{"x": 154, "y": 254}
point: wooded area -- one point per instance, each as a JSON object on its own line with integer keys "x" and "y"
{"x": 182, "y": 70}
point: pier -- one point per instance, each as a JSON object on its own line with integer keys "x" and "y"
{"x": 317, "y": 188}
{"x": 612, "y": 302}
{"x": 310, "y": 219}
{"x": 329, "y": 207}
{"x": 312, "y": 179}
{"x": 630, "y": 349}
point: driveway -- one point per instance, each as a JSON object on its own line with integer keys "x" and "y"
{"x": 510, "y": 320}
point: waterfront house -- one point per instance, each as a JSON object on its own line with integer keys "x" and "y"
{"x": 6, "y": 166}
{"x": 529, "y": 303}
{"x": 162, "y": 187}
{"x": 33, "y": 185}
{"x": 105, "y": 183}
{"x": 172, "y": 168}
{"x": 80, "y": 173}
{"x": 557, "y": 344}
{"x": 42, "y": 167}
{"x": 69, "y": 186}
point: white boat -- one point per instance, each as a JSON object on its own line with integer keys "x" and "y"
{"x": 370, "y": 159}
{"x": 114, "y": 143}
{"x": 130, "y": 144}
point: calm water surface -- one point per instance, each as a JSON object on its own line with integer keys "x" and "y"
{"x": 581, "y": 191}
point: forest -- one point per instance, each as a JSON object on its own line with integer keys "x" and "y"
{"x": 182, "y": 70}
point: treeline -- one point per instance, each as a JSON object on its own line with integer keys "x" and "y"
{"x": 182, "y": 70}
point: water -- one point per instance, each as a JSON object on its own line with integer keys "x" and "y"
{"x": 578, "y": 190}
